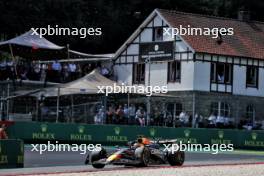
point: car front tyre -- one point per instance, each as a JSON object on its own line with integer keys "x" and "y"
{"x": 97, "y": 155}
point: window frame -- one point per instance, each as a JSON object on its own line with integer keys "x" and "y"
{"x": 256, "y": 75}
{"x": 251, "y": 112}
{"x": 220, "y": 108}
{"x": 136, "y": 67}
{"x": 176, "y": 110}
{"x": 176, "y": 68}
{"x": 154, "y": 34}
{"x": 214, "y": 73}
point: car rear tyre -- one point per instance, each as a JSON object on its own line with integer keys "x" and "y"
{"x": 176, "y": 159}
{"x": 97, "y": 155}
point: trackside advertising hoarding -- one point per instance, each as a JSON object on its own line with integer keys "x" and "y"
{"x": 116, "y": 134}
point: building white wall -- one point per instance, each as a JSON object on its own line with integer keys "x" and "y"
{"x": 194, "y": 75}
{"x": 239, "y": 82}
{"x": 202, "y": 71}
{"x": 187, "y": 75}
{"x": 158, "y": 75}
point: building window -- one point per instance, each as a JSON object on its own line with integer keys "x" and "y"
{"x": 178, "y": 109}
{"x": 214, "y": 108}
{"x": 221, "y": 73}
{"x": 225, "y": 110}
{"x": 174, "y": 108}
{"x": 157, "y": 34}
{"x": 139, "y": 73}
{"x": 174, "y": 71}
{"x": 220, "y": 109}
{"x": 250, "y": 113}
{"x": 252, "y": 76}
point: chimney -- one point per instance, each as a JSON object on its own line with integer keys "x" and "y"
{"x": 243, "y": 15}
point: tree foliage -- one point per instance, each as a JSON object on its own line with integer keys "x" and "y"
{"x": 117, "y": 18}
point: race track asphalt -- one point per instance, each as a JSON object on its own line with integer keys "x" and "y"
{"x": 50, "y": 162}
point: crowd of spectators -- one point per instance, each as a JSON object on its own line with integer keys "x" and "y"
{"x": 52, "y": 72}
{"x": 137, "y": 115}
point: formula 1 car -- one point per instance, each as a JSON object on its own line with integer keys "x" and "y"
{"x": 140, "y": 153}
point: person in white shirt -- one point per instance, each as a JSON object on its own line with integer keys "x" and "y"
{"x": 56, "y": 66}
{"x": 72, "y": 70}
{"x": 72, "y": 67}
{"x": 212, "y": 120}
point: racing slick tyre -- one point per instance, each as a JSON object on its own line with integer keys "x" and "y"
{"x": 97, "y": 155}
{"x": 176, "y": 159}
{"x": 143, "y": 154}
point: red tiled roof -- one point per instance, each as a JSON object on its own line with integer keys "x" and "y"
{"x": 247, "y": 41}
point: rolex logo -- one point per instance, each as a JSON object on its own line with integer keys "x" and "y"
{"x": 44, "y": 128}
{"x": 81, "y": 129}
{"x": 152, "y": 131}
{"x": 221, "y": 134}
{"x": 187, "y": 133}
{"x": 117, "y": 130}
{"x": 254, "y": 136}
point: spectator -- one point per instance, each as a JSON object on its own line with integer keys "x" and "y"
{"x": 98, "y": 119}
{"x": 182, "y": 118}
{"x": 56, "y": 66}
{"x": 132, "y": 114}
{"x": 23, "y": 74}
{"x": 196, "y": 120}
{"x": 169, "y": 119}
{"x": 72, "y": 71}
{"x": 43, "y": 72}
{"x": 119, "y": 115}
{"x": 140, "y": 116}
{"x": 3, "y": 75}
{"x": 3, "y": 134}
{"x": 157, "y": 119}
{"x": 56, "y": 70}
{"x": 65, "y": 72}
{"x": 37, "y": 69}
{"x": 221, "y": 77}
{"x": 212, "y": 120}
{"x": 220, "y": 120}
{"x": 110, "y": 115}
{"x": 78, "y": 71}
{"x": 126, "y": 114}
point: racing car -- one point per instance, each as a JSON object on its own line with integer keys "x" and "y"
{"x": 139, "y": 153}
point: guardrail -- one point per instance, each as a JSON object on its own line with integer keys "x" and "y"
{"x": 33, "y": 132}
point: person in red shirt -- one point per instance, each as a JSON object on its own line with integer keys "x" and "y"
{"x": 3, "y": 134}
